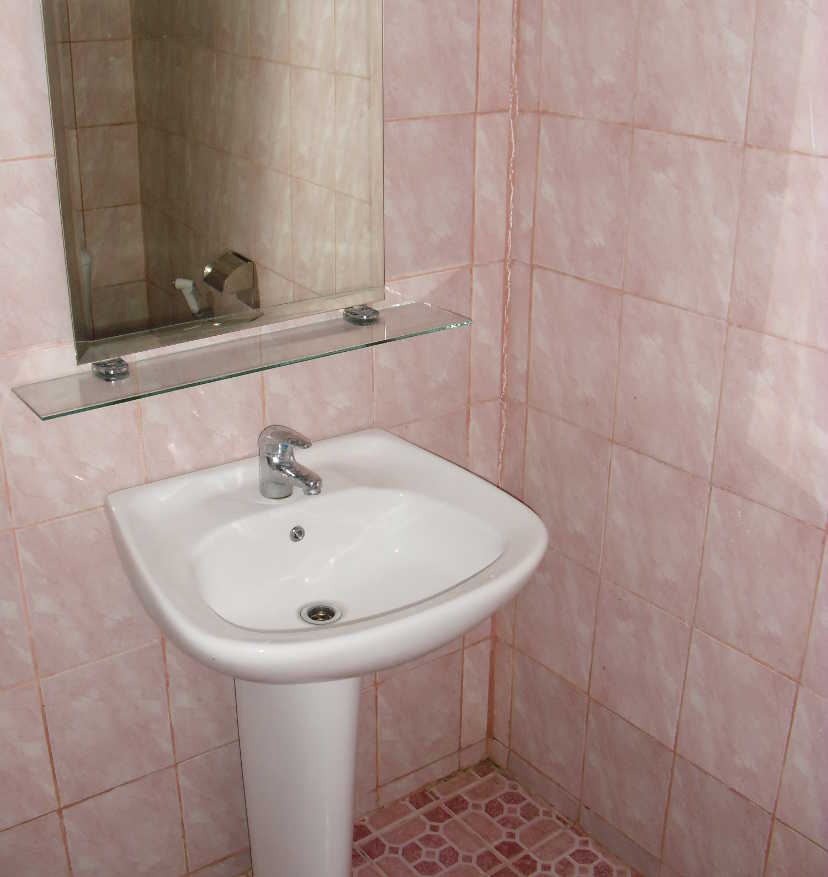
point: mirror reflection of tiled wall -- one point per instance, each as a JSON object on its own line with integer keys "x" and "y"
{"x": 197, "y": 127}
{"x": 101, "y": 143}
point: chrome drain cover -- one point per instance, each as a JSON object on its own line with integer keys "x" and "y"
{"x": 320, "y": 613}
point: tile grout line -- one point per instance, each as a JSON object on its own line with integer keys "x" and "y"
{"x": 38, "y": 682}
{"x": 711, "y": 476}
{"x": 511, "y": 182}
{"x": 168, "y": 693}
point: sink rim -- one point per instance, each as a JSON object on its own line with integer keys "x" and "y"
{"x": 339, "y": 651}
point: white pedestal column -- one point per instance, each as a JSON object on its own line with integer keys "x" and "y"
{"x": 298, "y": 746}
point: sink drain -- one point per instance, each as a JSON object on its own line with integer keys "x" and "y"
{"x": 320, "y": 613}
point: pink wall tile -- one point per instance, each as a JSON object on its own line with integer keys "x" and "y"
{"x": 202, "y": 426}
{"x": 625, "y": 677}
{"x": 215, "y": 822}
{"x": 484, "y": 439}
{"x": 366, "y": 766}
{"x": 803, "y": 797}
{"x": 626, "y": 850}
{"x": 34, "y": 849}
{"x": 104, "y": 82}
{"x": 476, "y": 667}
{"x": 132, "y": 830}
{"x": 566, "y": 484}
{"x": 81, "y": 604}
{"x": 556, "y": 617}
{"x": 626, "y": 777}
{"x": 354, "y": 22}
{"x": 501, "y": 707}
{"x": 24, "y": 101}
{"x": 792, "y": 855}
{"x": 668, "y": 387}
{"x": 312, "y": 33}
{"x": 479, "y": 632}
{"x": 429, "y": 731}
{"x": 735, "y": 719}
{"x": 448, "y": 649}
{"x": 232, "y": 866}
{"x": 108, "y": 722}
{"x": 655, "y": 530}
{"x": 495, "y": 55}
{"x": 789, "y": 106}
{"x": 450, "y": 289}
{"x": 446, "y": 436}
{"x": 15, "y": 654}
{"x": 31, "y": 259}
{"x": 314, "y": 226}
{"x": 815, "y": 673}
{"x": 25, "y": 772}
{"x": 526, "y": 167}
{"x": 513, "y": 440}
{"x": 202, "y": 705}
{"x": 421, "y": 378}
{"x": 694, "y": 67}
{"x": 540, "y": 784}
{"x": 88, "y": 471}
{"x": 758, "y": 582}
{"x": 781, "y": 258}
{"x": 548, "y": 723}
{"x": 711, "y": 829}
{"x": 429, "y": 167}
{"x": 355, "y": 228}
{"x": 5, "y": 511}
{"x": 440, "y": 44}
{"x": 530, "y": 39}
{"x": 486, "y": 331}
{"x": 490, "y": 209}
{"x": 683, "y": 210}
{"x": 773, "y": 425}
{"x": 574, "y": 355}
{"x": 99, "y": 21}
{"x": 115, "y": 241}
{"x": 588, "y": 66}
{"x": 322, "y": 398}
{"x": 109, "y": 165}
{"x": 517, "y": 341}
{"x": 583, "y": 189}
{"x": 271, "y": 133}
{"x": 313, "y": 121}
{"x": 422, "y": 777}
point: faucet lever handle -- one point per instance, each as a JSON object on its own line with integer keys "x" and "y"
{"x": 283, "y": 436}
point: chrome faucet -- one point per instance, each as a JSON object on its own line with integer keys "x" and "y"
{"x": 278, "y": 469}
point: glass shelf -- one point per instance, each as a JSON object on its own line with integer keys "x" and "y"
{"x": 154, "y": 375}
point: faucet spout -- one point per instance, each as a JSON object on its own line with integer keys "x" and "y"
{"x": 310, "y": 481}
{"x": 279, "y": 472}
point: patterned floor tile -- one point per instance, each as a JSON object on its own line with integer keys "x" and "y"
{"x": 476, "y": 823}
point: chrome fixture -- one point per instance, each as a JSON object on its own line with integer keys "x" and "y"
{"x": 111, "y": 370}
{"x": 278, "y": 469}
{"x": 233, "y": 274}
{"x": 297, "y": 533}
{"x": 320, "y": 613}
{"x": 361, "y": 314}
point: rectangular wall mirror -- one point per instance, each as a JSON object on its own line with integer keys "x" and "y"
{"x": 219, "y": 163}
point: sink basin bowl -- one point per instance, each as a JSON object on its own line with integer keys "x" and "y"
{"x": 400, "y": 553}
{"x": 410, "y": 549}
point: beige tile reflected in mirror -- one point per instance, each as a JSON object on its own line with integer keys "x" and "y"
{"x": 184, "y": 130}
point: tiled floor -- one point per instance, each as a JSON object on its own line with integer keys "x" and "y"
{"x": 477, "y": 822}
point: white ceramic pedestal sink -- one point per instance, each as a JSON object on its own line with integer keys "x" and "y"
{"x": 410, "y": 549}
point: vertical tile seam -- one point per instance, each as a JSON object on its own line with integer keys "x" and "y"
{"x": 42, "y": 703}
{"x": 506, "y": 294}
